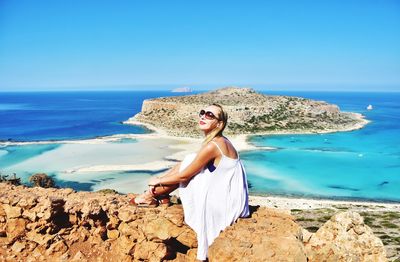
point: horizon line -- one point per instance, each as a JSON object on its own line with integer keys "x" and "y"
{"x": 196, "y": 90}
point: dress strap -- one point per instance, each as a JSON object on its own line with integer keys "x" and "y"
{"x": 218, "y": 147}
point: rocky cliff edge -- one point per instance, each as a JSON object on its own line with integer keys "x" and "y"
{"x": 63, "y": 225}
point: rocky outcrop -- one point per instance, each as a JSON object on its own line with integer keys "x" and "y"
{"x": 345, "y": 237}
{"x": 39, "y": 224}
{"x": 267, "y": 236}
{"x": 249, "y": 113}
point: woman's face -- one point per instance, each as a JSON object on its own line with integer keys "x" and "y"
{"x": 208, "y": 118}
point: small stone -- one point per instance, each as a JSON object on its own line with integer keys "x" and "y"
{"x": 125, "y": 245}
{"x": 148, "y": 250}
{"x": 31, "y": 215}
{"x": 15, "y": 228}
{"x": 39, "y": 238}
{"x": 28, "y": 202}
{"x": 57, "y": 248}
{"x": 188, "y": 238}
{"x": 127, "y": 215}
{"x": 18, "y": 247}
{"x": 79, "y": 256}
{"x": 112, "y": 234}
{"x": 113, "y": 223}
{"x": 73, "y": 219}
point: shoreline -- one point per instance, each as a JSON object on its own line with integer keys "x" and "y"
{"x": 288, "y": 203}
{"x": 186, "y": 145}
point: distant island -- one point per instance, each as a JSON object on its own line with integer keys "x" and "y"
{"x": 182, "y": 90}
{"x": 249, "y": 113}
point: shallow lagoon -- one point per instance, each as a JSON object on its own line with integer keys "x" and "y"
{"x": 359, "y": 164}
{"x": 60, "y": 161}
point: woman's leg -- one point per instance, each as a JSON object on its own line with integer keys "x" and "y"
{"x": 164, "y": 190}
{"x": 149, "y": 195}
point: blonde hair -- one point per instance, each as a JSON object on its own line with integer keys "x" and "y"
{"x": 222, "y": 117}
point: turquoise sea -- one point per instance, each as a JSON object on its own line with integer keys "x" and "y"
{"x": 362, "y": 164}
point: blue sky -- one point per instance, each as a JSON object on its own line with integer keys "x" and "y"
{"x": 320, "y": 45}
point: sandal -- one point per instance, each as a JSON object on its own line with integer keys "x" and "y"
{"x": 163, "y": 200}
{"x": 141, "y": 202}
{"x": 155, "y": 201}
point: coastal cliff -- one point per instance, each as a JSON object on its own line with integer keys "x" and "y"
{"x": 249, "y": 113}
{"x": 38, "y": 224}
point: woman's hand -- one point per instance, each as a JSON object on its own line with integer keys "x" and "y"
{"x": 153, "y": 183}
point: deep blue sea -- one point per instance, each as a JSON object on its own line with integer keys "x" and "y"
{"x": 362, "y": 164}
{"x": 39, "y": 116}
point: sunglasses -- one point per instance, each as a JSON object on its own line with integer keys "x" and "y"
{"x": 207, "y": 114}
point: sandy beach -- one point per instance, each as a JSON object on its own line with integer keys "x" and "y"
{"x": 290, "y": 203}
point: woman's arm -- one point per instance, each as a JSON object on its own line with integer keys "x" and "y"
{"x": 205, "y": 155}
{"x": 172, "y": 170}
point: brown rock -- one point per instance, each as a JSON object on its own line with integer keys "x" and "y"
{"x": 2, "y": 212}
{"x": 79, "y": 257}
{"x": 30, "y": 214}
{"x": 58, "y": 248}
{"x": 73, "y": 219}
{"x": 101, "y": 232}
{"x": 42, "y": 240}
{"x": 127, "y": 215}
{"x": 84, "y": 234}
{"x": 125, "y": 245}
{"x": 112, "y": 234}
{"x": 148, "y": 250}
{"x": 18, "y": 246}
{"x": 175, "y": 215}
{"x": 345, "y": 237}
{"x": 45, "y": 215}
{"x": 91, "y": 207}
{"x": 130, "y": 230}
{"x": 12, "y": 212}
{"x": 188, "y": 238}
{"x": 113, "y": 223}
{"x": 15, "y": 228}
{"x": 28, "y": 202}
{"x": 272, "y": 236}
{"x": 162, "y": 228}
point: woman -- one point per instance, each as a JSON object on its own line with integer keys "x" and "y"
{"x": 212, "y": 183}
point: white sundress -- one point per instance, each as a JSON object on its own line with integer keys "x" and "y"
{"x": 214, "y": 200}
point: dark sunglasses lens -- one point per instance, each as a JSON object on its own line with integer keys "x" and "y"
{"x": 210, "y": 115}
{"x": 202, "y": 112}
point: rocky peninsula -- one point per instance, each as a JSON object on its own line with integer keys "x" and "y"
{"x": 249, "y": 113}
{"x": 38, "y": 224}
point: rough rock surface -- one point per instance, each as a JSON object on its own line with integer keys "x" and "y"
{"x": 39, "y": 224}
{"x": 249, "y": 113}
{"x": 267, "y": 236}
{"x": 345, "y": 237}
